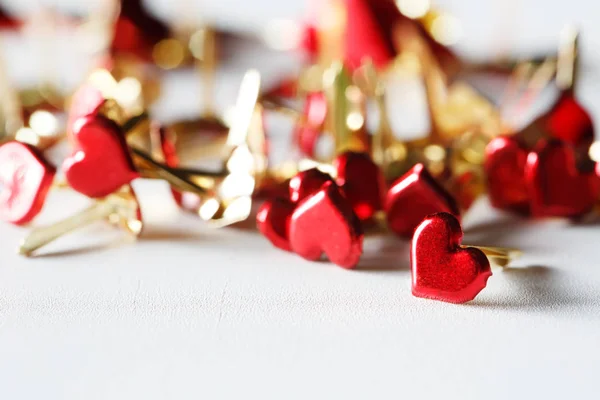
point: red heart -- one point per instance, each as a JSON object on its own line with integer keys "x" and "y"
{"x": 274, "y": 215}
{"x": 505, "y": 171}
{"x": 413, "y": 197}
{"x": 305, "y": 183}
{"x": 100, "y": 164}
{"x": 569, "y": 121}
{"x": 273, "y": 221}
{"x": 307, "y": 131}
{"x": 441, "y": 268}
{"x": 556, "y": 187}
{"x": 85, "y": 101}
{"x": 362, "y": 182}
{"x": 25, "y": 179}
{"x": 326, "y": 223}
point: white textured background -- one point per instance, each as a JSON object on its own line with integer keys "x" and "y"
{"x": 189, "y": 312}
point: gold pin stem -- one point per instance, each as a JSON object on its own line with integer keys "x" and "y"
{"x": 499, "y": 256}
{"x": 155, "y": 170}
{"x": 42, "y": 236}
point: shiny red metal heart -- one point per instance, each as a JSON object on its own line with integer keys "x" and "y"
{"x": 441, "y": 268}
{"x": 556, "y": 187}
{"x": 505, "y": 172}
{"x": 100, "y": 163}
{"x": 25, "y": 179}
{"x": 413, "y": 197}
{"x": 305, "y": 183}
{"x": 326, "y": 223}
{"x": 273, "y": 221}
{"x": 362, "y": 182}
{"x": 569, "y": 121}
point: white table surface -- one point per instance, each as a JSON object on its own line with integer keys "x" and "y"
{"x": 193, "y": 312}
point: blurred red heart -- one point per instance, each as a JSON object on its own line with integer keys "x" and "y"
{"x": 441, "y": 268}
{"x": 85, "y": 101}
{"x": 25, "y": 179}
{"x": 100, "y": 163}
{"x": 326, "y": 223}
{"x": 308, "y": 131}
{"x": 273, "y": 221}
{"x": 413, "y": 197}
{"x": 505, "y": 171}
{"x": 556, "y": 187}
{"x": 567, "y": 120}
{"x": 305, "y": 183}
{"x": 362, "y": 182}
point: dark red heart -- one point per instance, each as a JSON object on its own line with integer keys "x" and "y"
{"x": 305, "y": 183}
{"x": 273, "y": 218}
{"x": 362, "y": 182}
{"x": 25, "y": 179}
{"x": 556, "y": 187}
{"x": 273, "y": 221}
{"x": 413, "y": 197}
{"x": 567, "y": 120}
{"x": 505, "y": 171}
{"x": 100, "y": 163}
{"x": 441, "y": 268}
{"x": 326, "y": 223}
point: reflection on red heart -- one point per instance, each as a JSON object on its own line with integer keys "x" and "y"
{"x": 100, "y": 162}
{"x": 569, "y": 121}
{"x": 25, "y": 179}
{"x": 413, "y": 197}
{"x": 362, "y": 182}
{"x": 441, "y": 268}
{"x": 326, "y": 223}
{"x": 556, "y": 187}
{"x": 273, "y": 221}
{"x": 505, "y": 171}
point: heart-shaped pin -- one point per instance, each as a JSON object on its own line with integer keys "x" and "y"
{"x": 308, "y": 131}
{"x": 273, "y": 221}
{"x": 413, "y": 197}
{"x": 557, "y": 188}
{"x": 504, "y": 166}
{"x": 87, "y": 100}
{"x": 362, "y": 182}
{"x": 100, "y": 163}
{"x": 25, "y": 179}
{"x": 567, "y": 120}
{"x": 274, "y": 215}
{"x": 441, "y": 268}
{"x": 326, "y": 223}
{"x": 305, "y": 183}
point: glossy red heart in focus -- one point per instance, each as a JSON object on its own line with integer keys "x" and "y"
{"x": 413, "y": 197}
{"x": 273, "y": 221}
{"x": 100, "y": 162}
{"x": 569, "y": 121}
{"x": 441, "y": 268}
{"x": 305, "y": 183}
{"x": 362, "y": 182}
{"x": 308, "y": 131}
{"x": 85, "y": 101}
{"x": 25, "y": 179}
{"x": 504, "y": 166}
{"x": 326, "y": 223}
{"x": 556, "y": 187}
